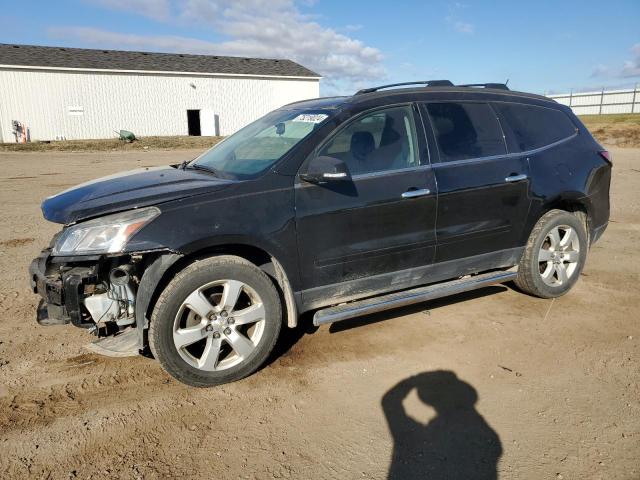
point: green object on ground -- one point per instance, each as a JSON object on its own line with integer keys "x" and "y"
{"x": 127, "y": 135}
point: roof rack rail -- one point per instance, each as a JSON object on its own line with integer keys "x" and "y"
{"x": 427, "y": 83}
{"x": 498, "y": 86}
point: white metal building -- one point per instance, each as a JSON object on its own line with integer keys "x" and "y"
{"x": 72, "y": 93}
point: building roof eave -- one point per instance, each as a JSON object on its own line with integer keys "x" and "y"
{"x": 155, "y": 72}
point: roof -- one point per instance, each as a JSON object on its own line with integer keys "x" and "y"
{"x": 92, "y": 59}
{"x": 464, "y": 91}
{"x": 416, "y": 94}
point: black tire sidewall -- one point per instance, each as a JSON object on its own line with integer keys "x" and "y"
{"x": 193, "y": 277}
{"x": 562, "y": 218}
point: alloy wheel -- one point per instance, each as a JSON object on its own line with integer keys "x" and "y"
{"x": 219, "y": 325}
{"x": 559, "y": 255}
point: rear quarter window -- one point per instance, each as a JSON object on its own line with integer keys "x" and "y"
{"x": 529, "y": 127}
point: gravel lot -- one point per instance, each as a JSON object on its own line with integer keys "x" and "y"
{"x": 492, "y": 380}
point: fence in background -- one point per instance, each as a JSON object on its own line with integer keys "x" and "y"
{"x": 602, "y": 102}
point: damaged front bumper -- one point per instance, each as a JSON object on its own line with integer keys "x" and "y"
{"x": 92, "y": 292}
{"x": 63, "y": 289}
{"x": 102, "y": 293}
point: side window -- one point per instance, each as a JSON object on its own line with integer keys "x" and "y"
{"x": 382, "y": 140}
{"x": 534, "y": 127}
{"x": 465, "y": 130}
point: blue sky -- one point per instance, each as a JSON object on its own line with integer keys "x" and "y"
{"x": 541, "y": 46}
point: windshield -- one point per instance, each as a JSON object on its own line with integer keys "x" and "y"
{"x": 260, "y": 144}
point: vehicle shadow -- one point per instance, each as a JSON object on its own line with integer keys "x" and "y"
{"x": 418, "y": 307}
{"x": 456, "y": 444}
{"x": 290, "y": 336}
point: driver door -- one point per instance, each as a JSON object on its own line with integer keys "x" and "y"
{"x": 375, "y": 231}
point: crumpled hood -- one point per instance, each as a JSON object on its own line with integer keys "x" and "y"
{"x": 122, "y": 191}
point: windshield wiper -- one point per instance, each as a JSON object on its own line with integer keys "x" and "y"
{"x": 203, "y": 168}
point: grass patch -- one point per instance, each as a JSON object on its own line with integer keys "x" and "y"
{"x": 613, "y": 119}
{"x": 621, "y": 130}
{"x": 113, "y": 144}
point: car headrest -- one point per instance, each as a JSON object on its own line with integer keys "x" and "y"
{"x": 362, "y": 144}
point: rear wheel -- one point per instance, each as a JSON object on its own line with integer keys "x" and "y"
{"x": 554, "y": 256}
{"x": 216, "y": 321}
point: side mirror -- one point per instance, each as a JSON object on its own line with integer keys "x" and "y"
{"x": 325, "y": 169}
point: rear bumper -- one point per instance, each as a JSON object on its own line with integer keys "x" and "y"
{"x": 62, "y": 291}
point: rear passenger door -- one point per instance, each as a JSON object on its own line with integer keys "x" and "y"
{"x": 483, "y": 192}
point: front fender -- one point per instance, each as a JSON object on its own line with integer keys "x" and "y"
{"x": 149, "y": 282}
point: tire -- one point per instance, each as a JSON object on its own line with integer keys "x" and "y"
{"x": 554, "y": 256}
{"x": 201, "y": 335}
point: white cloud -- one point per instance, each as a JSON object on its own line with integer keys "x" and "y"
{"x": 453, "y": 19}
{"x": 166, "y": 43}
{"x": 352, "y": 27}
{"x": 630, "y": 68}
{"x": 601, "y": 71}
{"x": 156, "y": 9}
{"x": 464, "y": 27}
{"x": 274, "y": 29}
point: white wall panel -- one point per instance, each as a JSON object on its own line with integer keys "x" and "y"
{"x": 607, "y": 102}
{"x": 146, "y": 104}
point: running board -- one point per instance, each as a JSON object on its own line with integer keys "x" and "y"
{"x": 408, "y": 297}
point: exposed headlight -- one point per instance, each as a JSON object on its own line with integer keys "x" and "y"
{"x": 108, "y": 234}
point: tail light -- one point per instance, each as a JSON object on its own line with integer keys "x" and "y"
{"x": 606, "y": 155}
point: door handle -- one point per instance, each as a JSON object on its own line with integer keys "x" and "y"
{"x": 515, "y": 178}
{"x": 416, "y": 193}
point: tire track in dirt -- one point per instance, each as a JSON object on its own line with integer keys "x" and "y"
{"x": 89, "y": 386}
{"x": 126, "y": 415}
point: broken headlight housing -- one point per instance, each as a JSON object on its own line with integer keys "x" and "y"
{"x": 108, "y": 234}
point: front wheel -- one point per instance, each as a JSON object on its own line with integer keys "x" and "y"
{"x": 554, "y": 256}
{"x": 216, "y": 322}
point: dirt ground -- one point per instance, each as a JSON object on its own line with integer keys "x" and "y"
{"x": 113, "y": 144}
{"x": 489, "y": 381}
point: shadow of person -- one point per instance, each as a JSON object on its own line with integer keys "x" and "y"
{"x": 456, "y": 444}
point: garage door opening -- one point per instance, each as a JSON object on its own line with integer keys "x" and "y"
{"x": 193, "y": 122}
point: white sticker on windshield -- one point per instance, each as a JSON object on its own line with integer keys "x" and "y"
{"x": 310, "y": 117}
